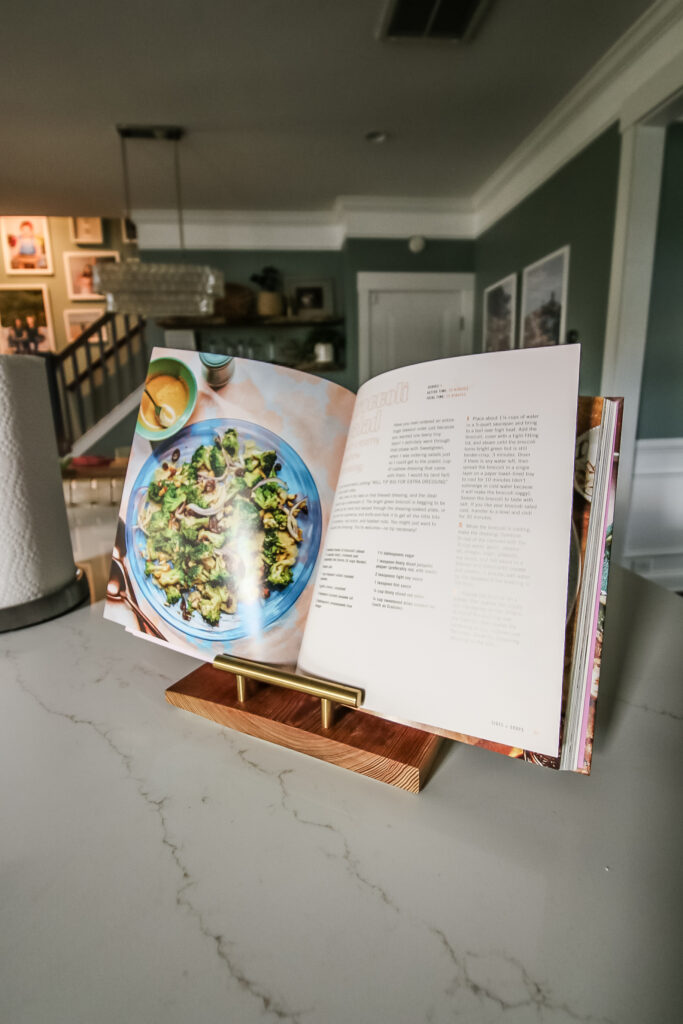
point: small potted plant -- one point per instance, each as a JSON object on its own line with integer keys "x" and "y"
{"x": 269, "y": 299}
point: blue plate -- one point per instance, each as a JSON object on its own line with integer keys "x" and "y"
{"x": 249, "y": 619}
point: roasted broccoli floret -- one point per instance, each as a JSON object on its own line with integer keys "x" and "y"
{"x": 201, "y": 458}
{"x": 165, "y": 542}
{"x": 280, "y": 575}
{"x": 230, "y": 442}
{"x": 158, "y": 522}
{"x": 173, "y": 498}
{"x": 275, "y": 519}
{"x": 172, "y": 595}
{"x": 210, "y": 604}
{"x": 168, "y": 577}
{"x": 252, "y": 476}
{"x": 268, "y": 496}
{"x": 268, "y": 461}
{"x": 245, "y": 515}
{"x": 215, "y": 539}
{"x": 217, "y": 460}
{"x": 189, "y": 529}
{"x": 272, "y": 547}
{"x": 154, "y": 491}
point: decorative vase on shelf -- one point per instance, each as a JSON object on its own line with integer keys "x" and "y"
{"x": 269, "y": 299}
{"x": 269, "y": 304}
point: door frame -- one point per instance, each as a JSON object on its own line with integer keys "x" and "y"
{"x": 368, "y": 283}
{"x": 643, "y": 119}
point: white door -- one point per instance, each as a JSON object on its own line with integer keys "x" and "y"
{"x": 412, "y": 318}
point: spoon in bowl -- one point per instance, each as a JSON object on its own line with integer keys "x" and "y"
{"x": 116, "y": 591}
{"x": 164, "y": 413}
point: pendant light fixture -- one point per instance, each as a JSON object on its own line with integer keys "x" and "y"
{"x": 157, "y": 289}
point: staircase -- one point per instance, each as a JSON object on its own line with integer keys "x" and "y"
{"x": 96, "y": 380}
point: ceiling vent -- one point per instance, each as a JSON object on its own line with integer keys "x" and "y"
{"x": 450, "y": 20}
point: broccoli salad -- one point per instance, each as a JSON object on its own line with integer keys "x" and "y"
{"x": 220, "y": 529}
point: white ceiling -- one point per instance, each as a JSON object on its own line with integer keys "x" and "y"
{"x": 276, "y": 97}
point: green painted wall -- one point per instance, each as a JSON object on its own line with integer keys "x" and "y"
{"x": 60, "y": 241}
{"x": 575, "y": 207}
{"x": 661, "y": 399}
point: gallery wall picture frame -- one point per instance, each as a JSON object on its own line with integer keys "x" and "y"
{"x": 311, "y": 298}
{"x": 26, "y": 246}
{"x": 543, "y": 318}
{"x": 500, "y": 315}
{"x": 78, "y": 320}
{"x": 79, "y": 267}
{"x": 25, "y": 319}
{"x": 86, "y": 230}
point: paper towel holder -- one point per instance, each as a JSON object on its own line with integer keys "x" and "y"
{"x": 67, "y": 597}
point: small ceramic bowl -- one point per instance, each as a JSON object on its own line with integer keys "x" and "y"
{"x": 174, "y": 368}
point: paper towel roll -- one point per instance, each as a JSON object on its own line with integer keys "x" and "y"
{"x": 36, "y": 557}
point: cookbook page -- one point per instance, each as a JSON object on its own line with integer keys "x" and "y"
{"x": 225, "y": 504}
{"x": 443, "y": 583}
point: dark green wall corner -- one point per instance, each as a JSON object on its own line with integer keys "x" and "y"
{"x": 575, "y": 207}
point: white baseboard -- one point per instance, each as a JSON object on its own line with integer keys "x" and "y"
{"x": 654, "y": 531}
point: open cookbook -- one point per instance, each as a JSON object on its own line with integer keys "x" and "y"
{"x": 441, "y": 539}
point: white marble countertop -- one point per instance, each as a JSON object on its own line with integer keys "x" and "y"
{"x": 156, "y": 867}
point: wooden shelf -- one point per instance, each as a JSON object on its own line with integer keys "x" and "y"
{"x": 182, "y": 323}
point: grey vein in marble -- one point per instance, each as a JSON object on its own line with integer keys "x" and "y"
{"x": 270, "y": 1005}
{"x": 652, "y": 711}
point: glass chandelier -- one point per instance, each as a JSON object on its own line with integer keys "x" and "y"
{"x": 157, "y": 289}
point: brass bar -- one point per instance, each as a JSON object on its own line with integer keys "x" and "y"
{"x": 326, "y": 713}
{"x": 349, "y": 696}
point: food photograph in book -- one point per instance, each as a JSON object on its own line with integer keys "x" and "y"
{"x": 225, "y": 502}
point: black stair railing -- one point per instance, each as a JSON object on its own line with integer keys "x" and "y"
{"x": 99, "y": 369}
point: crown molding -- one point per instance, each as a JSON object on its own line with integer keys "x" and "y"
{"x": 352, "y": 217}
{"x": 599, "y": 100}
{"x": 239, "y": 229}
{"x": 637, "y": 70}
{"x": 402, "y": 216}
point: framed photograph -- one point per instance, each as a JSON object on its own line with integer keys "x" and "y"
{"x": 86, "y": 230}
{"x": 500, "y": 315}
{"x": 25, "y": 322}
{"x": 78, "y": 320}
{"x": 26, "y": 245}
{"x": 129, "y": 232}
{"x": 311, "y": 299}
{"x": 79, "y": 267}
{"x": 544, "y": 301}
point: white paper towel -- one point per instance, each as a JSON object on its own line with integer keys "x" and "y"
{"x": 35, "y": 546}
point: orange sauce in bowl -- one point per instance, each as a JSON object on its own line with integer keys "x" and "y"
{"x": 167, "y": 391}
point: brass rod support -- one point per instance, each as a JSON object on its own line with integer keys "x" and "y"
{"x": 349, "y": 696}
{"x": 241, "y": 689}
{"x": 326, "y": 713}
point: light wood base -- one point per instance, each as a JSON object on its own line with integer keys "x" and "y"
{"x": 392, "y": 753}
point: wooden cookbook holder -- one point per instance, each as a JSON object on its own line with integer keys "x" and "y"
{"x": 313, "y": 716}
